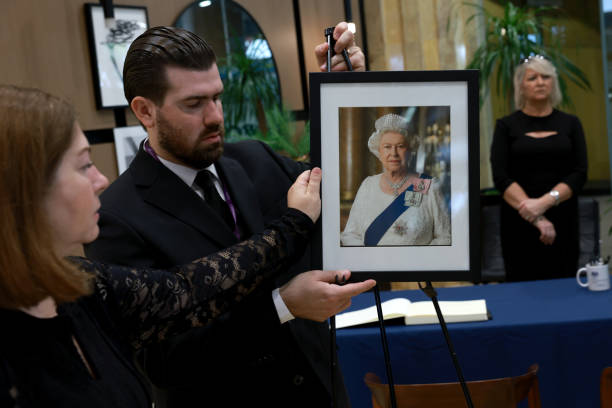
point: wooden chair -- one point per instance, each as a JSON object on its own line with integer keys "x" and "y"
{"x": 499, "y": 393}
{"x": 606, "y": 388}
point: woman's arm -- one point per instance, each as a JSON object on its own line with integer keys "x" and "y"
{"x": 151, "y": 305}
{"x": 531, "y": 208}
{"x": 576, "y": 179}
{"x": 500, "y": 151}
{"x": 511, "y": 191}
{"x": 514, "y": 195}
{"x": 571, "y": 184}
{"x": 547, "y": 230}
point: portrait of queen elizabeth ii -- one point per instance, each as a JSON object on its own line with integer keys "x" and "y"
{"x": 399, "y": 206}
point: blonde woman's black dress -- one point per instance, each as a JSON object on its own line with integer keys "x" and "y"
{"x": 537, "y": 164}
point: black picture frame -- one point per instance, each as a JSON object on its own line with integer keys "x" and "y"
{"x": 108, "y": 47}
{"x": 397, "y": 91}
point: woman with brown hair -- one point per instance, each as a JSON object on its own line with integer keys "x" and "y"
{"x": 70, "y": 325}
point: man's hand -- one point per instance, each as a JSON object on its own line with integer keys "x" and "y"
{"x": 547, "y": 230}
{"x": 313, "y": 295}
{"x": 344, "y": 40}
{"x": 304, "y": 194}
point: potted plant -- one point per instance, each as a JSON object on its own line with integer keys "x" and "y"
{"x": 250, "y": 87}
{"x": 251, "y": 101}
{"x": 281, "y": 134}
{"x": 518, "y": 34}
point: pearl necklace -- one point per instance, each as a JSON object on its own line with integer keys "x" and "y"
{"x": 396, "y": 186}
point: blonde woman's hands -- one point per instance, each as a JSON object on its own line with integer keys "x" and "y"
{"x": 547, "y": 230}
{"x": 532, "y": 208}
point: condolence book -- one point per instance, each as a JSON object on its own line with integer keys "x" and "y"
{"x": 417, "y": 312}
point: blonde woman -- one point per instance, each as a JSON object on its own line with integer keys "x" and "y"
{"x": 539, "y": 163}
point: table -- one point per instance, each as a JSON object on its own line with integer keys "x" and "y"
{"x": 564, "y": 328}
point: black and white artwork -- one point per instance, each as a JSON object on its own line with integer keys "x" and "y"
{"x": 127, "y": 142}
{"x": 108, "y": 46}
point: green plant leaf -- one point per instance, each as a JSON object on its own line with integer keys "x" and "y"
{"x": 516, "y": 35}
{"x": 251, "y": 86}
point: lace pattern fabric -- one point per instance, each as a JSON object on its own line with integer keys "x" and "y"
{"x": 151, "y": 305}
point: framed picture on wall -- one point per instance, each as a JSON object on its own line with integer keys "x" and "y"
{"x": 127, "y": 142}
{"x": 108, "y": 47}
{"x": 399, "y": 153}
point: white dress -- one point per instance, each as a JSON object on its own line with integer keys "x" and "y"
{"x": 427, "y": 224}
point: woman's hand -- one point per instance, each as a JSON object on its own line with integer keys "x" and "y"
{"x": 532, "y": 208}
{"x": 547, "y": 230}
{"x": 304, "y": 193}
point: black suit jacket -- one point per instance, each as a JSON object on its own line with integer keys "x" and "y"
{"x": 149, "y": 217}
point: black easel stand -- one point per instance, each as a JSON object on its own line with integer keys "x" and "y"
{"x": 333, "y": 359}
{"x": 329, "y": 38}
{"x": 431, "y": 292}
{"x": 383, "y": 336}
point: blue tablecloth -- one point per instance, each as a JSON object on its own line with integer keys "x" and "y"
{"x": 564, "y": 328}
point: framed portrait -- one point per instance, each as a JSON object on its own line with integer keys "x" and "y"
{"x": 127, "y": 142}
{"x": 399, "y": 153}
{"x": 108, "y": 47}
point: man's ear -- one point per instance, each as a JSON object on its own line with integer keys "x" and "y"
{"x": 145, "y": 111}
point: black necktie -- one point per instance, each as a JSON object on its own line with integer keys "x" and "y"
{"x": 204, "y": 179}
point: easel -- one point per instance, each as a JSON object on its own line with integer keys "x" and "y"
{"x": 329, "y": 37}
{"x": 429, "y": 290}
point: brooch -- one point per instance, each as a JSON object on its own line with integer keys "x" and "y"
{"x": 400, "y": 228}
{"x": 412, "y": 199}
{"x": 422, "y": 185}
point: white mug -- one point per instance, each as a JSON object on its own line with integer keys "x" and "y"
{"x": 598, "y": 276}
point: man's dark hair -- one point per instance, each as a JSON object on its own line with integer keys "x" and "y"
{"x": 144, "y": 70}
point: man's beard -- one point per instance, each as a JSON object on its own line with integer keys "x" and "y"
{"x": 172, "y": 140}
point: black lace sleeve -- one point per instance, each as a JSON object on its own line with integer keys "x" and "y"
{"x": 150, "y": 305}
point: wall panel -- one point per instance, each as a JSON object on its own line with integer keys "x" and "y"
{"x": 44, "y": 45}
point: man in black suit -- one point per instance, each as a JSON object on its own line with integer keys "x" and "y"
{"x": 187, "y": 194}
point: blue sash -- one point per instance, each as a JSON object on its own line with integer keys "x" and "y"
{"x": 385, "y": 219}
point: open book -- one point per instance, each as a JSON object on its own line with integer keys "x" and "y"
{"x": 417, "y": 312}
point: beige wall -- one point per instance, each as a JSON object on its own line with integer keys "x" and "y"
{"x": 44, "y": 45}
{"x": 47, "y": 47}
{"x": 426, "y": 35}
